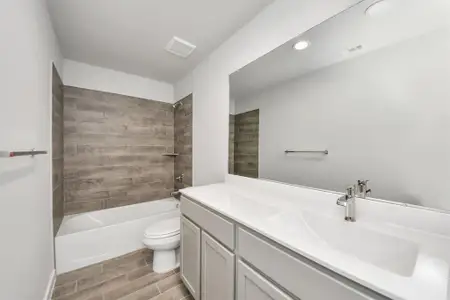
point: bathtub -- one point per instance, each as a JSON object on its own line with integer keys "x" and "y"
{"x": 92, "y": 237}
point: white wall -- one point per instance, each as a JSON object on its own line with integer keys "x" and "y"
{"x": 275, "y": 25}
{"x": 384, "y": 116}
{"x": 232, "y": 106}
{"x": 96, "y": 78}
{"x": 183, "y": 87}
{"x": 28, "y": 48}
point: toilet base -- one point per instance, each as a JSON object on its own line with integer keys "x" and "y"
{"x": 165, "y": 260}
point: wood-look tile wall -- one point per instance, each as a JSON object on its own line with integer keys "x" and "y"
{"x": 57, "y": 150}
{"x": 113, "y": 148}
{"x": 183, "y": 142}
{"x": 231, "y": 145}
{"x": 246, "y": 144}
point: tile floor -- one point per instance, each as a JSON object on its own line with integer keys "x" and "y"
{"x": 129, "y": 277}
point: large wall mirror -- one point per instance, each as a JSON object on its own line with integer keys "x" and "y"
{"x": 364, "y": 95}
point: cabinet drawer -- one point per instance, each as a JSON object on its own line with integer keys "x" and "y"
{"x": 296, "y": 276}
{"x": 218, "y": 227}
{"x": 252, "y": 286}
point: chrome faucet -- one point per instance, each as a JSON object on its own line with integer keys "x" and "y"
{"x": 363, "y": 189}
{"x": 348, "y": 201}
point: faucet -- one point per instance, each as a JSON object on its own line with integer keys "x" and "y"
{"x": 363, "y": 189}
{"x": 180, "y": 178}
{"x": 348, "y": 201}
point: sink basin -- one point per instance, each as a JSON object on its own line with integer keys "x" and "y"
{"x": 381, "y": 250}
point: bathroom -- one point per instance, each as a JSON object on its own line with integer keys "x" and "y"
{"x": 260, "y": 149}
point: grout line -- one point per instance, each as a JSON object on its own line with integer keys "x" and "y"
{"x": 174, "y": 287}
{"x": 68, "y": 294}
{"x": 139, "y": 290}
{"x": 157, "y": 286}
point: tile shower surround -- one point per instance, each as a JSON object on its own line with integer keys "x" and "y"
{"x": 231, "y": 138}
{"x": 113, "y": 146}
{"x": 57, "y": 150}
{"x": 183, "y": 142}
{"x": 246, "y": 144}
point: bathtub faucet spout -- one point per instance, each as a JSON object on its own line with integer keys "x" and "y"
{"x": 176, "y": 194}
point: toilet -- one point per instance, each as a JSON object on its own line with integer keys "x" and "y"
{"x": 163, "y": 237}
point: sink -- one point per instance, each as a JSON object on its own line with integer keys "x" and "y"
{"x": 381, "y": 250}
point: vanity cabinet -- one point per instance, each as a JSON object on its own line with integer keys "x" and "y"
{"x": 207, "y": 266}
{"x": 217, "y": 270}
{"x": 218, "y": 227}
{"x": 223, "y": 260}
{"x": 190, "y": 256}
{"x": 300, "y": 278}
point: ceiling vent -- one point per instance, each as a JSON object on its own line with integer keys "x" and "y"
{"x": 354, "y": 49}
{"x": 180, "y": 47}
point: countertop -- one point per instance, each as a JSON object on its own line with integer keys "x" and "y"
{"x": 289, "y": 215}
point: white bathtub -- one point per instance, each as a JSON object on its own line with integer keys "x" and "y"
{"x": 92, "y": 237}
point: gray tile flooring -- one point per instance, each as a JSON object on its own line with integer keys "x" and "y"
{"x": 128, "y": 277}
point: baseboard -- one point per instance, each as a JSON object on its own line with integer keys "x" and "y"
{"x": 50, "y": 286}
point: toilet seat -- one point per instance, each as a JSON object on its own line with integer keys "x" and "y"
{"x": 163, "y": 229}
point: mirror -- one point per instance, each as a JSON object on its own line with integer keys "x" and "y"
{"x": 365, "y": 96}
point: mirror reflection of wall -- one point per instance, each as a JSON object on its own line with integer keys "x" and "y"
{"x": 244, "y": 143}
{"x": 372, "y": 86}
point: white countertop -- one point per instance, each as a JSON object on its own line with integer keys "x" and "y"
{"x": 310, "y": 223}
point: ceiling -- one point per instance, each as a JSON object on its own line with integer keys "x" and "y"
{"x": 130, "y": 35}
{"x": 331, "y": 40}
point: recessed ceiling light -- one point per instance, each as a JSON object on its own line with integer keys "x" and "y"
{"x": 301, "y": 45}
{"x": 378, "y": 8}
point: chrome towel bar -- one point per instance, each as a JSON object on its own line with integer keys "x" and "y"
{"x": 306, "y": 151}
{"x": 21, "y": 153}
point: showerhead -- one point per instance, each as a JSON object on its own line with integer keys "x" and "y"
{"x": 177, "y": 104}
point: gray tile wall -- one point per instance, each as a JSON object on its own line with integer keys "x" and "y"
{"x": 183, "y": 142}
{"x": 231, "y": 145}
{"x": 113, "y": 148}
{"x": 57, "y": 150}
{"x": 246, "y": 144}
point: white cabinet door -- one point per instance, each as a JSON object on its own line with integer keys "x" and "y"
{"x": 217, "y": 270}
{"x": 190, "y": 256}
{"x": 252, "y": 286}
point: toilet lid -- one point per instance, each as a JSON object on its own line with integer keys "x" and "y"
{"x": 163, "y": 228}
